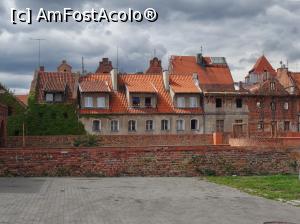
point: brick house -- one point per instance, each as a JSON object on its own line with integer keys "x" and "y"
{"x": 273, "y": 100}
{"x": 55, "y": 87}
{"x": 3, "y": 124}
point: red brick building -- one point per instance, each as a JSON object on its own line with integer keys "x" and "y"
{"x": 3, "y": 123}
{"x": 273, "y": 100}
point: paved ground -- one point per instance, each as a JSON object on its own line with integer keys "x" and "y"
{"x": 134, "y": 201}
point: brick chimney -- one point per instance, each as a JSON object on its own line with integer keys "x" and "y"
{"x": 42, "y": 68}
{"x": 105, "y": 66}
{"x": 154, "y": 66}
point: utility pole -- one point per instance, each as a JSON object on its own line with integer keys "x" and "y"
{"x": 117, "y": 59}
{"x": 39, "y": 52}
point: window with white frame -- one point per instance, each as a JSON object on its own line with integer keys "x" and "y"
{"x": 114, "y": 125}
{"x": 193, "y": 101}
{"x": 88, "y": 101}
{"x": 96, "y": 126}
{"x": 180, "y": 102}
{"x": 49, "y": 97}
{"x": 131, "y": 125}
{"x": 286, "y": 105}
{"x": 194, "y": 125}
{"x": 165, "y": 125}
{"x": 149, "y": 125}
{"x": 101, "y": 102}
{"x": 180, "y": 125}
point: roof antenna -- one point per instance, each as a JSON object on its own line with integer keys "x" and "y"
{"x": 82, "y": 65}
{"x": 201, "y": 49}
{"x": 154, "y": 52}
{"x": 287, "y": 63}
{"x": 39, "y": 54}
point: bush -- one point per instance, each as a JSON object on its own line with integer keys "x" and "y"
{"x": 46, "y": 119}
{"x": 86, "y": 141}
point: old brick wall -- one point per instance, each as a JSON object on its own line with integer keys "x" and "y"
{"x": 266, "y": 142}
{"x": 113, "y": 140}
{"x": 145, "y": 161}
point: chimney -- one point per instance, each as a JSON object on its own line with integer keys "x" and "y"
{"x": 199, "y": 59}
{"x": 166, "y": 80}
{"x": 114, "y": 79}
{"x": 42, "y": 68}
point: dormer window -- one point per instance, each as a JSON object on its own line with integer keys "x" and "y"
{"x": 88, "y": 101}
{"x": 193, "y": 101}
{"x": 58, "y": 97}
{"x": 148, "y": 102}
{"x": 272, "y": 86}
{"x": 180, "y": 102}
{"x": 136, "y": 101}
{"x": 49, "y": 97}
{"x": 101, "y": 102}
{"x": 54, "y": 97}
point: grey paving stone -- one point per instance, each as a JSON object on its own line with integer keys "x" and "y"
{"x": 133, "y": 200}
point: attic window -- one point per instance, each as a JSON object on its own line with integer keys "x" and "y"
{"x": 272, "y": 86}
{"x": 148, "y": 102}
{"x": 49, "y": 97}
{"x": 136, "y": 101}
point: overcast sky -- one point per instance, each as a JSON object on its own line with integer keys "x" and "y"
{"x": 241, "y": 31}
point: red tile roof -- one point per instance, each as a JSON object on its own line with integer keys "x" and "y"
{"x": 140, "y": 87}
{"x": 118, "y": 100}
{"x": 55, "y": 82}
{"x": 94, "y": 86}
{"x": 183, "y": 84}
{"x": 262, "y": 64}
{"x": 23, "y": 99}
{"x": 210, "y": 76}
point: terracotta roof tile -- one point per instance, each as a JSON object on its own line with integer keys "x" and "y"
{"x": 23, "y": 99}
{"x": 55, "y": 81}
{"x": 118, "y": 100}
{"x": 210, "y": 76}
{"x": 94, "y": 86}
{"x": 140, "y": 87}
{"x": 262, "y": 64}
{"x": 183, "y": 84}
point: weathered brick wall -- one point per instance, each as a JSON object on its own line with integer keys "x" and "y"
{"x": 113, "y": 140}
{"x": 146, "y": 161}
{"x": 261, "y": 142}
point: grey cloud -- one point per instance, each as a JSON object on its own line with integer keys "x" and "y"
{"x": 240, "y": 30}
